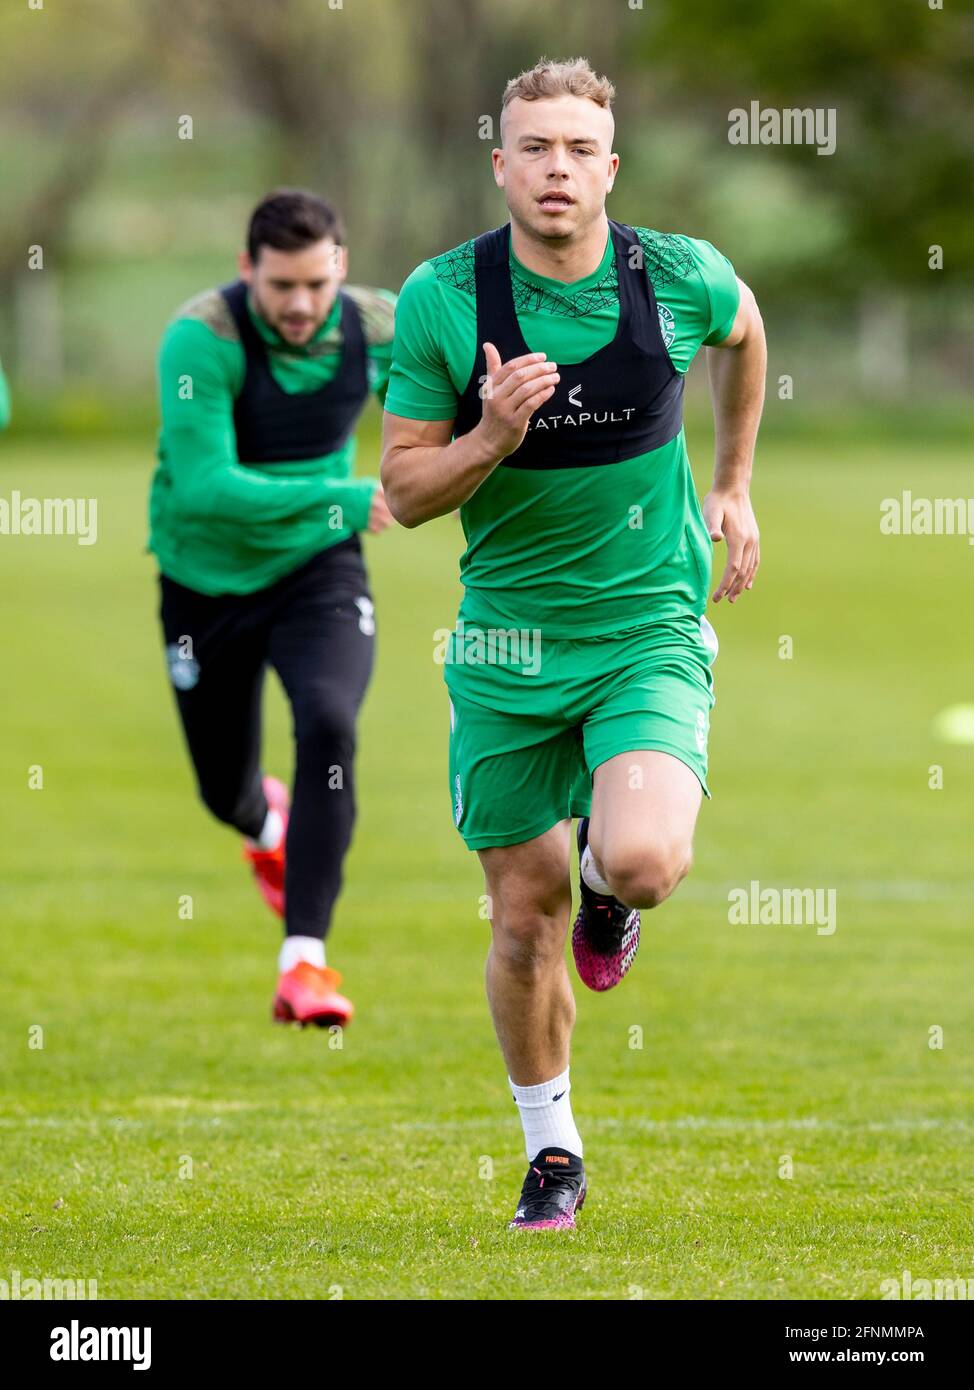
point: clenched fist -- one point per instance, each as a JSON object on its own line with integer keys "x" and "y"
{"x": 511, "y": 394}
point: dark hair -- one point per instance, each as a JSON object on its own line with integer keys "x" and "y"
{"x": 290, "y": 219}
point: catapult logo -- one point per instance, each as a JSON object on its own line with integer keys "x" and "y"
{"x": 77, "y": 1343}
{"x": 578, "y": 416}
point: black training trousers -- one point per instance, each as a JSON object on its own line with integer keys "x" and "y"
{"x": 316, "y": 628}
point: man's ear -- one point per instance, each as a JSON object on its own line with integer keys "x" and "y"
{"x": 614, "y": 169}
{"x": 245, "y": 266}
{"x": 497, "y": 159}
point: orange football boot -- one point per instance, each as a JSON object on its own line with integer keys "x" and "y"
{"x": 268, "y": 864}
{"x": 309, "y": 994}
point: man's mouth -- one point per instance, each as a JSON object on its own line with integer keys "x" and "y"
{"x": 555, "y": 202}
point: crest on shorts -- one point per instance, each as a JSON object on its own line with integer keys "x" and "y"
{"x": 366, "y": 615}
{"x": 184, "y": 671}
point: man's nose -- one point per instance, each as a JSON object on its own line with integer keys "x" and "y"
{"x": 558, "y": 164}
{"x": 300, "y": 302}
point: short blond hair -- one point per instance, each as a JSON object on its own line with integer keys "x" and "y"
{"x": 572, "y": 78}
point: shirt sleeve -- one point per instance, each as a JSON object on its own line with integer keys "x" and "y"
{"x": 380, "y": 346}
{"x": 723, "y": 293}
{"x": 197, "y": 385}
{"x": 420, "y": 386}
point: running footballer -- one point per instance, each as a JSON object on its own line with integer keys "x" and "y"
{"x": 256, "y": 518}
{"x": 537, "y": 384}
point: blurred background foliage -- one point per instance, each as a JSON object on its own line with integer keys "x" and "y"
{"x": 384, "y": 107}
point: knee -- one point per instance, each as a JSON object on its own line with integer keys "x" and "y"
{"x": 325, "y": 723}
{"x": 528, "y": 943}
{"x": 645, "y": 877}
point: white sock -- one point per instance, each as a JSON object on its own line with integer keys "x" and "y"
{"x": 298, "y": 948}
{"x": 271, "y": 832}
{"x": 546, "y": 1116}
{"x": 591, "y": 874}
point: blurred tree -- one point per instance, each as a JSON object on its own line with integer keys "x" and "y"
{"x": 272, "y": 53}
{"x": 392, "y": 110}
{"x": 461, "y": 63}
{"x": 900, "y": 77}
{"x": 88, "y": 85}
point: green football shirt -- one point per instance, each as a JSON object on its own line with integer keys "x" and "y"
{"x": 224, "y": 528}
{"x": 575, "y": 552}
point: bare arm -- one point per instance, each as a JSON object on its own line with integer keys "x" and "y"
{"x": 737, "y": 369}
{"x": 424, "y": 475}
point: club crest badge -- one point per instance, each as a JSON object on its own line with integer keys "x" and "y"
{"x": 184, "y": 671}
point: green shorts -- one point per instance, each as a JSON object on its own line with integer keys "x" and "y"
{"x": 530, "y": 721}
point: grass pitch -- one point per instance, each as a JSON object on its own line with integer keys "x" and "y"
{"x": 169, "y": 1142}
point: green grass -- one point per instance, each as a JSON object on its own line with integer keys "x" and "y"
{"x": 361, "y": 1169}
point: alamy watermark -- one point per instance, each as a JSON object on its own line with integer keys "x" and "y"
{"x": 17, "y": 1287}
{"x": 756, "y": 906}
{"x": 908, "y": 1287}
{"x": 77, "y": 1343}
{"x": 49, "y": 516}
{"x": 907, "y": 515}
{"x": 791, "y": 125}
{"x": 490, "y": 646}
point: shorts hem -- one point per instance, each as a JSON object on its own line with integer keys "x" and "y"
{"x": 648, "y": 745}
{"x": 502, "y": 839}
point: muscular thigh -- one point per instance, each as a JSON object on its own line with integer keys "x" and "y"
{"x": 529, "y": 879}
{"x": 646, "y": 741}
{"x": 215, "y": 653}
{"x": 322, "y": 641}
{"x": 643, "y": 801}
